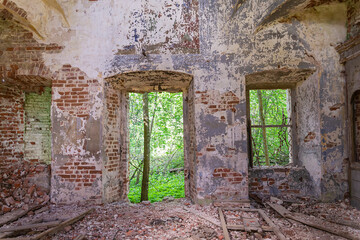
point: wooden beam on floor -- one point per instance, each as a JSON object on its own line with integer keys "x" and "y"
{"x": 14, "y": 215}
{"x": 275, "y": 228}
{"x": 223, "y": 225}
{"x": 314, "y": 222}
{"x": 30, "y": 226}
{"x": 62, "y": 225}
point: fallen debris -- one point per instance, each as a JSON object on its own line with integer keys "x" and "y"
{"x": 313, "y": 222}
{"x": 16, "y": 214}
{"x": 180, "y": 220}
{"x": 276, "y": 230}
{"x": 62, "y": 225}
{"x": 30, "y": 227}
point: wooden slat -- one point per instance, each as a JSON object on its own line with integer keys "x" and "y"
{"x": 223, "y": 225}
{"x": 239, "y": 209}
{"x": 242, "y": 228}
{"x": 61, "y": 226}
{"x": 14, "y": 215}
{"x": 314, "y": 222}
{"x": 275, "y": 228}
{"x": 30, "y": 226}
{"x": 5, "y": 234}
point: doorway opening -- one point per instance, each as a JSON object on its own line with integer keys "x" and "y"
{"x": 165, "y": 118}
{"x": 117, "y": 138}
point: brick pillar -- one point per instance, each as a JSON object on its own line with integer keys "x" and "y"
{"x": 76, "y": 137}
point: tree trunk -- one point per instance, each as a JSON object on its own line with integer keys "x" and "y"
{"x": 146, "y": 166}
{"x": 262, "y": 120}
{"x": 137, "y": 177}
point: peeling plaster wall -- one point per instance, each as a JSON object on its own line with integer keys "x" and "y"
{"x": 76, "y": 124}
{"x": 322, "y": 126}
{"x": 198, "y": 38}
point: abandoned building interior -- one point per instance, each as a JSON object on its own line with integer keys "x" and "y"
{"x": 66, "y": 71}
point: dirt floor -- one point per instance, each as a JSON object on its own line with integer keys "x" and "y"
{"x": 179, "y": 219}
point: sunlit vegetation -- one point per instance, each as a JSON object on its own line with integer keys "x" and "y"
{"x": 166, "y": 145}
{"x": 274, "y": 108}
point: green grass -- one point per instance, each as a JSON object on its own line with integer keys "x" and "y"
{"x": 160, "y": 186}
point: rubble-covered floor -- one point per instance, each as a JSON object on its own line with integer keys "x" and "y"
{"x": 179, "y": 219}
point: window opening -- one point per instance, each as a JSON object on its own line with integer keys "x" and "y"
{"x": 270, "y": 127}
{"x": 166, "y": 178}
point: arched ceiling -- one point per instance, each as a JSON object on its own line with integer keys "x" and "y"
{"x": 20, "y": 9}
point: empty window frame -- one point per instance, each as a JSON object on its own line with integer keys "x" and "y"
{"x": 270, "y": 127}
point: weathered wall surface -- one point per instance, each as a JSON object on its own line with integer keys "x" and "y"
{"x": 76, "y": 113}
{"x": 198, "y": 38}
{"x": 353, "y": 18}
{"x": 115, "y": 170}
{"x": 321, "y": 110}
{"x": 282, "y": 182}
{"x": 37, "y": 136}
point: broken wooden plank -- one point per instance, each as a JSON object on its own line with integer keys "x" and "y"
{"x": 242, "y": 228}
{"x": 30, "y": 226}
{"x": 314, "y": 222}
{"x": 80, "y": 237}
{"x": 343, "y": 222}
{"x": 223, "y": 225}
{"x": 62, "y": 225}
{"x": 275, "y": 228}
{"x": 239, "y": 209}
{"x": 14, "y": 215}
{"x": 237, "y": 6}
{"x": 5, "y": 234}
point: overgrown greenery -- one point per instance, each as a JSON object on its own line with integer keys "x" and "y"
{"x": 274, "y": 104}
{"x": 161, "y": 185}
{"x": 166, "y": 145}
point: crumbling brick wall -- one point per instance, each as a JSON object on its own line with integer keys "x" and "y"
{"x": 24, "y": 123}
{"x": 21, "y": 182}
{"x": 280, "y": 182}
{"x": 11, "y": 127}
{"x": 76, "y": 167}
{"x": 112, "y": 155}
